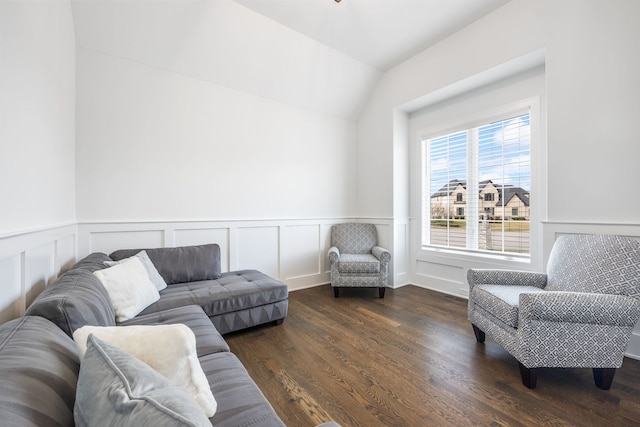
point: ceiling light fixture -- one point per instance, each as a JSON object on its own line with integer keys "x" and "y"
{"x": 338, "y": 1}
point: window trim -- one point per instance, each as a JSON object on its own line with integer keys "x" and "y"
{"x": 538, "y": 178}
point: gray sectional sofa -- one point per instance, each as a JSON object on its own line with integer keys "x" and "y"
{"x": 39, "y": 363}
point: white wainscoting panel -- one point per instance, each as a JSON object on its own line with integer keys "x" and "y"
{"x": 301, "y": 251}
{"x": 29, "y": 262}
{"x": 66, "y": 253}
{"x": 294, "y": 251}
{"x": 446, "y": 271}
{"x": 258, "y": 248}
{"x": 110, "y": 241}
{"x": 39, "y": 270}
{"x": 401, "y": 252}
{"x": 12, "y": 298}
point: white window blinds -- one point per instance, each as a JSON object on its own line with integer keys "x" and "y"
{"x": 476, "y": 187}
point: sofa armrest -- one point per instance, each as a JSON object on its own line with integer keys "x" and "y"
{"x": 334, "y": 254}
{"x": 484, "y": 276}
{"x": 383, "y": 255}
{"x": 578, "y": 307}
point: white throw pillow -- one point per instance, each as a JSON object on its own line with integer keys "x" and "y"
{"x": 129, "y": 288}
{"x": 152, "y": 271}
{"x": 169, "y": 349}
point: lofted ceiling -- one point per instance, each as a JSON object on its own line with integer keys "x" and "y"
{"x": 379, "y": 33}
{"x": 315, "y": 54}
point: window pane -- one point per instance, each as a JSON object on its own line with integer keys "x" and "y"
{"x": 501, "y": 154}
{"x": 447, "y": 187}
{"x": 504, "y": 158}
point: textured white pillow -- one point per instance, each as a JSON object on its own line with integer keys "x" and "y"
{"x": 152, "y": 271}
{"x": 169, "y": 349}
{"x": 129, "y": 288}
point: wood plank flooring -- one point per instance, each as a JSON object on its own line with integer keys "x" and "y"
{"x": 411, "y": 359}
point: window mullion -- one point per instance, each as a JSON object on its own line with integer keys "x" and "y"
{"x": 472, "y": 189}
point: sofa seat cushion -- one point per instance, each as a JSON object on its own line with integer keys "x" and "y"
{"x": 240, "y": 401}
{"x": 502, "y": 301}
{"x": 234, "y": 291}
{"x": 208, "y": 339}
{"x": 76, "y": 299}
{"x": 39, "y": 368}
{"x": 358, "y": 263}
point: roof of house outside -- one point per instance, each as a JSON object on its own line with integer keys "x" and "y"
{"x": 510, "y": 191}
{"x": 448, "y": 188}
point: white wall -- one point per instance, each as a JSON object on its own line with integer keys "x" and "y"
{"x": 212, "y": 124}
{"x": 156, "y": 145}
{"x": 228, "y": 44}
{"x": 37, "y": 144}
{"x": 37, "y": 115}
{"x": 192, "y": 130}
{"x": 590, "y": 92}
{"x": 591, "y": 89}
{"x": 384, "y": 141}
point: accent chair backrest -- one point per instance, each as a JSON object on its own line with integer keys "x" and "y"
{"x": 354, "y": 238}
{"x": 594, "y": 263}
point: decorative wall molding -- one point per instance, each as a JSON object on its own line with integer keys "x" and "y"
{"x": 291, "y": 250}
{"x": 29, "y": 262}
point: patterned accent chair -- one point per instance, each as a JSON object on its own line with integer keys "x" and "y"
{"x": 356, "y": 260}
{"x": 580, "y": 314}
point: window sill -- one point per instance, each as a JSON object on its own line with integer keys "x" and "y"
{"x": 476, "y": 256}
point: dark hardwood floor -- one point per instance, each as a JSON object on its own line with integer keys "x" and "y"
{"x": 411, "y": 359}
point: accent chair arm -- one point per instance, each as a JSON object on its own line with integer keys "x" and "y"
{"x": 383, "y": 255}
{"x": 579, "y": 307}
{"x": 486, "y": 276}
{"x": 334, "y": 255}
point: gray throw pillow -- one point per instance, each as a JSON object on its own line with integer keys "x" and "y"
{"x": 116, "y": 389}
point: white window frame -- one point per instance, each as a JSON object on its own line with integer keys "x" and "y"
{"x": 538, "y": 178}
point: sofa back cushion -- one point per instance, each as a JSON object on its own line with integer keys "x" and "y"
{"x": 604, "y": 264}
{"x": 183, "y": 264}
{"x": 76, "y": 299}
{"x": 38, "y": 374}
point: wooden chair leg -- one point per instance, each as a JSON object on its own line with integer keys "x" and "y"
{"x": 381, "y": 291}
{"x": 529, "y": 376}
{"x": 479, "y": 333}
{"x": 603, "y": 377}
{"x": 336, "y": 292}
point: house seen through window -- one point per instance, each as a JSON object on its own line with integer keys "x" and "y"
{"x": 476, "y": 187}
